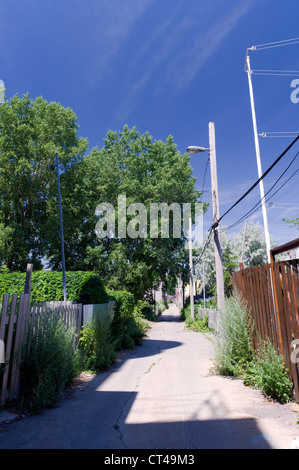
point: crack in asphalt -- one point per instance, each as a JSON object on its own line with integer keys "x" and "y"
{"x": 116, "y": 426}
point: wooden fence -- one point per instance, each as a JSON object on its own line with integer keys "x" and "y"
{"x": 16, "y": 322}
{"x": 272, "y": 294}
{"x": 92, "y": 311}
{"x": 71, "y": 313}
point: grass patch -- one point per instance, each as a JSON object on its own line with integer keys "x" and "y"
{"x": 199, "y": 324}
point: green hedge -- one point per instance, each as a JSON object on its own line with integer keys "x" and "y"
{"x": 83, "y": 287}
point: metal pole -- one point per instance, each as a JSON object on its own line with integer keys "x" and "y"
{"x": 203, "y": 282}
{"x": 191, "y": 269}
{"x": 215, "y": 201}
{"x": 258, "y": 159}
{"x": 61, "y": 231}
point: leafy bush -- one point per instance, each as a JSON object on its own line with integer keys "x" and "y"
{"x": 127, "y": 328}
{"x": 268, "y": 373}
{"x": 210, "y": 303}
{"x": 199, "y": 324}
{"x": 51, "y": 362}
{"x": 90, "y": 289}
{"x": 148, "y": 312}
{"x": 83, "y": 287}
{"x": 133, "y": 328}
{"x": 103, "y": 335}
{"x": 123, "y": 311}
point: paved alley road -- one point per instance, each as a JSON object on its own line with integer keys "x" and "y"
{"x": 160, "y": 396}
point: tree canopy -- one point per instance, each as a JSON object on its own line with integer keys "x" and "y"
{"x": 146, "y": 171}
{"x": 129, "y": 165}
{"x": 294, "y": 223}
{"x": 31, "y": 132}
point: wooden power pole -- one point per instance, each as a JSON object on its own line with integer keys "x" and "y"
{"x": 215, "y": 202}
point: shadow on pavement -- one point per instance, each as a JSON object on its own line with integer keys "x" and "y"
{"x": 101, "y": 419}
{"x": 205, "y": 434}
{"x": 91, "y": 427}
{"x": 169, "y": 318}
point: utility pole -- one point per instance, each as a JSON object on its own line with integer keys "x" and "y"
{"x": 191, "y": 269}
{"x": 215, "y": 202}
{"x": 258, "y": 159}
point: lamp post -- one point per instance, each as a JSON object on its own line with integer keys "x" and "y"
{"x": 61, "y": 228}
{"x": 214, "y": 186}
{"x": 191, "y": 270}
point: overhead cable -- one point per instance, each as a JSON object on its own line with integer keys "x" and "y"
{"x": 254, "y": 209}
{"x": 269, "y": 45}
{"x": 205, "y": 245}
{"x": 257, "y": 182}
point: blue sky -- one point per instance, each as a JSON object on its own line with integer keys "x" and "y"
{"x": 168, "y": 67}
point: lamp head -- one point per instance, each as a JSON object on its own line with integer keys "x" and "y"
{"x": 196, "y": 149}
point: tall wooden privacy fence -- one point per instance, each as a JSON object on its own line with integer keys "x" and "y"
{"x": 272, "y": 294}
{"x": 17, "y": 321}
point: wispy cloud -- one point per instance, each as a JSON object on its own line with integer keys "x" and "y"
{"x": 110, "y": 22}
{"x": 204, "y": 46}
{"x": 178, "y": 55}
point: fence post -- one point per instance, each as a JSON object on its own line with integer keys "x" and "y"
{"x": 20, "y": 338}
{"x": 29, "y": 270}
{"x": 275, "y": 301}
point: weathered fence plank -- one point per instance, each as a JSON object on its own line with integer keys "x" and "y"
{"x": 272, "y": 295}
{"x": 17, "y": 322}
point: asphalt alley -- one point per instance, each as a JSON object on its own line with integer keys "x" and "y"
{"x": 162, "y": 395}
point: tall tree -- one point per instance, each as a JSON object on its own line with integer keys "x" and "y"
{"x": 31, "y": 132}
{"x": 294, "y": 223}
{"x": 145, "y": 171}
{"x": 253, "y": 244}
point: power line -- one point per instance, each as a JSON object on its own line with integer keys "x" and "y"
{"x": 205, "y": 245}
{"x": 252, "y": 211}
{"x": 257, "y": 182}
{"x": 279, "y": 73}
{"x": 269, "y": 45}
{"x": 294, "y": 206}
{"x": 278, "y": 134}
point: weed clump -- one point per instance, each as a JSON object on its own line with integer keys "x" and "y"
{"x": 261, "y": 367}
{"x": 51, "y": 361}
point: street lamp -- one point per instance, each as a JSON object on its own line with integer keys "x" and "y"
{"x": 52, "y": 167}
{"x": 196, "y": 149}
{"x": 214, "y": 186}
